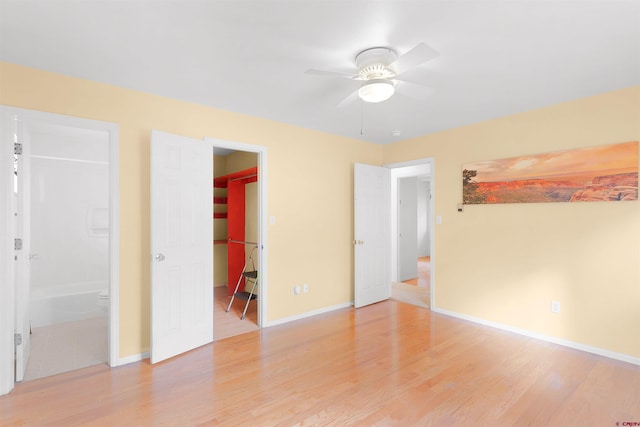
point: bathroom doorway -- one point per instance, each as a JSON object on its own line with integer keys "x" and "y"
{"x": 63, "y": 206}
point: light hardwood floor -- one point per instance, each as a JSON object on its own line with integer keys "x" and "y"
{"x": 229, "y": 324}
{"x": 386, "y": 364}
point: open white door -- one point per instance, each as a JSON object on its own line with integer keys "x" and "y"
{"x": 7, "y": 261}
{"x": 181, "y": 244}
{"x": 372, "y": 234}
{"x": 23, "y": 252}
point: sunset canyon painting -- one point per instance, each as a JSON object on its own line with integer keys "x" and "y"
{"x": 605, "y": 173}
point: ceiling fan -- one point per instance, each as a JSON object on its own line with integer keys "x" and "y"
{"x": 380, "y": 69}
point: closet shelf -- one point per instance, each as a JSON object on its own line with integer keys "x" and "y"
{"x": 246, "y": 176}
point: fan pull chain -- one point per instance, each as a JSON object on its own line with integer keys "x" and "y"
{"x": 361, "y": 117}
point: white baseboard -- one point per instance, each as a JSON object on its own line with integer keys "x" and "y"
{"x": 133, "y": 358}
{"x": 566, "y": 343}
{"x": 307, "y": 314}
{"x": 571, "y": 344}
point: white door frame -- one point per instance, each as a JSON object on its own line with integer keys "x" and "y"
{"x": 7, "y": 284}
{"x": 261, "y": 151}
{"x": 412, "y": 168}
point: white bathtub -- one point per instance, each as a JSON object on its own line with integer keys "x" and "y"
{"x": 69, "y": 302}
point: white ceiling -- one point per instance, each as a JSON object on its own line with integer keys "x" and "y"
{"x": 496, "y": 57}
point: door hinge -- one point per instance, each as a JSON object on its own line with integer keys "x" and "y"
{"x": 17, "y": 244}
{"x": 18, "y": 339}
{"x": 17, "y": 148}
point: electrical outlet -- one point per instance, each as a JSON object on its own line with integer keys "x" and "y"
{"x": 305, "y": 288}
{"x": 555, "y": 306}
{"x": 296, "y": 289}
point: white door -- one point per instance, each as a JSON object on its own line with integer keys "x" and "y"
{"x": 7, "y": 269}
{"x": 372, "y": 234}
{"x": 22, "y": 255}
{"x": 181, "y": 244}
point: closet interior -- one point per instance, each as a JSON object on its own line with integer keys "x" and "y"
{"x": 235, "y": 225}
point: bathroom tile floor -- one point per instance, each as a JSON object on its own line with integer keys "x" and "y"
{"x": 67, "y": 346}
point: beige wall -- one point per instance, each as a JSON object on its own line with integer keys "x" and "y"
{"x": 505, "y": 263}
{"x": 501, "y": 263}
{"x": 309, "y": 189}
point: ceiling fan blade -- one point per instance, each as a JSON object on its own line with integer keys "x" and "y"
{"x": 416, "y": 56}
{"x": 325, "y": 73}
{"x": 413, "y": 78}
{"x": 350, "y": 99}
{"x": 413, "y": 90}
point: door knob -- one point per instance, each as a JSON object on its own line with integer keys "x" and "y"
{"x": 160, "y": 257}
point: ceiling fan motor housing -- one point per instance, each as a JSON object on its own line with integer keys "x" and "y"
{"x": 372, "y": 63}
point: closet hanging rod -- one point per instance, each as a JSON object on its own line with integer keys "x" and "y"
{"x": 244, "y": 177}
{"x": 242, "y": 242}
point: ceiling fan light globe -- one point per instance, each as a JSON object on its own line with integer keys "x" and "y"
{"x": 376, "y": 90}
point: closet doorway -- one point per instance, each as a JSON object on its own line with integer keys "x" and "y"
{"x": 239, "y": 183}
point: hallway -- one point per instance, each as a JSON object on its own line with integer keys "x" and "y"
{"x": 424, "y": 274}
{"x": 415, "y": 291}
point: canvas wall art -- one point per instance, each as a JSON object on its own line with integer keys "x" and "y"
{"x": 606, "y": 173}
